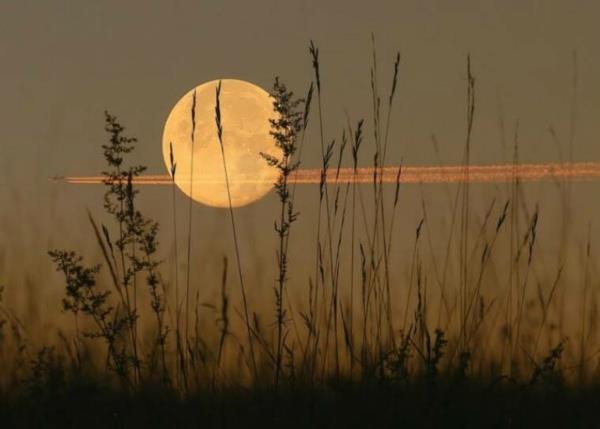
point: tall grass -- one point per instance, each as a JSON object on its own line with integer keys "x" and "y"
{"x": 286, "y": 127}
{"x": 189, "y": 236}
{"x": 470, "y": 309}
{"x": 233, "y": 228}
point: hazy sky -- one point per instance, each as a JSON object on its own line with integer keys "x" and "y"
{"x": 63, "y": 62}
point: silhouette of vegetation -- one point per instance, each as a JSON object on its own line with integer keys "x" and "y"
{"x": 436, "y": 349}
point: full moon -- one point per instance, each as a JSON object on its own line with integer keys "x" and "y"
{"x": 245, "y": 113}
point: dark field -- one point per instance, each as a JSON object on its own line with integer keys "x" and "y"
{"x": 470, "y": 404}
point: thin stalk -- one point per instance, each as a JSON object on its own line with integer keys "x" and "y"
{"x": 189, "y": 237}
{"x": 233, "y": 227}
{"x": 180, "y": 354}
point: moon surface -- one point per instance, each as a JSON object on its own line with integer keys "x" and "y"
{"x": 245, "y": 113}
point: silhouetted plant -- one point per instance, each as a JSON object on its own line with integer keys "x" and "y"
{"x": 46, "y": 375}
{"x": 137, "y": 241}
{"x": 136, "y": 247}
{"x": 398, "y": 359}
{"x": 119, "y": 202}
{"x": 546, "y": 371}
{"x": 177, "y": 305}
{"x": 285, "y": 129}
{"x": 434, "y": 353}
{"x": 219, "y": 124}
{"x": 82, "y": 295}
{"x": 460, "y": 371}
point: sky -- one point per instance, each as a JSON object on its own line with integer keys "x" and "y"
{"x": 62, "y": 63}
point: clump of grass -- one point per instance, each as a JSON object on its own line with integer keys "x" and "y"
{"x": 46, "y": 375}
{"x": 132, "y": 254}
{"x": 119, "y": 202}
{"x": 82, "y": 295}
{"x": 546, "y": 371}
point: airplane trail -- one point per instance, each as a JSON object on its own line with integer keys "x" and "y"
{"x": 580, "y": 171}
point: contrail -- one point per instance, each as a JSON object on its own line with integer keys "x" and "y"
{"x": 579, "y": 171}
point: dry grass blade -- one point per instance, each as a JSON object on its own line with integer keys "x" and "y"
{"x": 233, "y": 227}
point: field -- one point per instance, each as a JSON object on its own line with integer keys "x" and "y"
{"x": 484, "y": 322}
